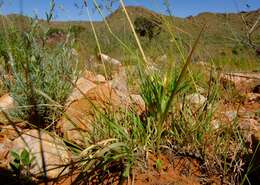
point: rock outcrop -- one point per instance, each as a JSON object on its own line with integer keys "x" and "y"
{"x": 242, "y": 82}
{"x": 96, "y": 95}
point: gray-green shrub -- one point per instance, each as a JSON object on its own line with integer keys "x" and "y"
{"x": 35, "y": 69}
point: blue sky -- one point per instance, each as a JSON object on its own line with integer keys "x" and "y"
{"x": 68, "y": 10}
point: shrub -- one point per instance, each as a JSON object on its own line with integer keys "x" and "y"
{"x": 147, "y": 27}
{"x": 39, "y": 76}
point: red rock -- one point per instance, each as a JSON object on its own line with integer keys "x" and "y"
{"x": 10, "y": 132}
{"x": 6, "y": 102}
{"x": 5, "y": 146}
{"x": 80, "y": 114}
{"x": 242, "y": 82}
{"x": 41, "y": 143}
{"x": 82, "y": 86}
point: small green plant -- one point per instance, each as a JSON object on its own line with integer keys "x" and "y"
{"x": 159, "y": 92}
{"x": 21, "y": 162}
{"x": 158, "y": 165}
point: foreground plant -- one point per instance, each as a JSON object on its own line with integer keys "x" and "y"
{"x": 31, "y": 66}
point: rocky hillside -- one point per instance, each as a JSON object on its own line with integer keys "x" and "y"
{"x": 222, "y": 29}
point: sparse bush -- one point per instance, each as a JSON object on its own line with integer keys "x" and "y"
{"x": 37, "y": 71}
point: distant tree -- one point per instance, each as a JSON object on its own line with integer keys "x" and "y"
{"x": 146, "y": 27}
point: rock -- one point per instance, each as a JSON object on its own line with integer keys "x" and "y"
{"x": 231, "y": 115}
{"x": 242, "y": 82}
{"x": 196, "y": 99}
{"x": 137, "y": 103}
{"x": 119, "y": 82}
{"x": 101, "y": 96}
{"x": 53, "y": 150}
{"x": 5, "y": 146}
{"x": 94, "y": 78}
{"x": 99, "y": 79}
{"x": 10, "y": 132}
{"x": 87, "y": 74}
{"x": 6, "y": 102}
{"x": 82, "y": 86}
{"x": 80, "y": 114}
{"x": 111, "y": 61}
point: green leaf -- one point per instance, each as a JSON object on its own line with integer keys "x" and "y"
{"x": 158, "y": 164}
{"x": 25, "y": 157}
{"x": 15, "y": 166}
{"x": 127, "y": 171}
{"x": 15, "y": 155}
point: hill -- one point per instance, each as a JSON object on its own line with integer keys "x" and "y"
{"x": 224, "y": 34}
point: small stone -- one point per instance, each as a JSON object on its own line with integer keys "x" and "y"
{"x": 196, "y": 99}
{"x": 6, "y": 102}
{"x": 215, "y": 124}
{"x": 231, "y": 115}
{"x": 107, "y": 59}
